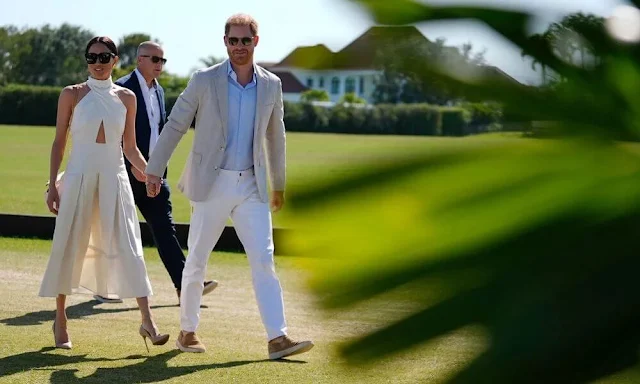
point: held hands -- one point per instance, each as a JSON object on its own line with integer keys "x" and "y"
{"x": 277, "y": 200}
{"x": 141, "y": 177}
{"x": 153, "y": 185}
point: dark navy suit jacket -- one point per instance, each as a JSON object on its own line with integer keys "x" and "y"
{"x": 143, "y": 129}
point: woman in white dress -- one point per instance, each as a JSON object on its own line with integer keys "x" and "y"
{"x": 96, "y": 244}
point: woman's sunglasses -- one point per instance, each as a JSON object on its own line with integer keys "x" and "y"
{"x": 104, "y": 57}
{"x": 244, "y": 40}
{"x": 156, "y": 59}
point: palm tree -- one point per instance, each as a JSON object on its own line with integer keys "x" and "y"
{"x": 211, "y": 60}
{"x": 539, "y": 42}
{"x": 585, "y": 26}
{"x": 567, "y": 37}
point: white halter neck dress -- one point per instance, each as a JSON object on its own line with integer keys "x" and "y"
{"x": 96, "y": 244}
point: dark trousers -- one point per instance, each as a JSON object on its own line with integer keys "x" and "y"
{"x": 157, "y": 213}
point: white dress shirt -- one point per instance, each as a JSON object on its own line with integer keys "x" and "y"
{"x": 153, "y": 108}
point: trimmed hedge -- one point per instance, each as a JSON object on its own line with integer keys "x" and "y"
{"x": 402, "y": 119}
{"x": 28, "y": 104}
{"x": 36, "y": 105}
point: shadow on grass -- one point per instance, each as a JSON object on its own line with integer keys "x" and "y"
{"x": 40, "y": 359}
{"x": 151, "y": 369}
{"x": 78, "y": 311}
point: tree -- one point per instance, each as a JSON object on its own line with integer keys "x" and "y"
{"x": 398, "y": 83}
{"x": 569, "y": 39}
{"x": 477, "y": 58}
{"x": 211, "y": 60}
{"x": 45, "y": 56}
{"x": 314, "y": 95}
{"x": 173, "y": 83}
{"x": 542, "y": 42}
{"x": 6, "y": 34}
{"x": 572, "y": 34}
{"x": 128, "y": 47}
{"x": 120, "y": 71}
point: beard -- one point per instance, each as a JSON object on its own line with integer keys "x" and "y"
{"x": 241, "y": 59}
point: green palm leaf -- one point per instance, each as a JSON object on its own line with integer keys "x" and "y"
{"x": 533, "y": 241}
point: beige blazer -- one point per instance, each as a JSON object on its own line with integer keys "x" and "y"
{"x": 206, "y": 98}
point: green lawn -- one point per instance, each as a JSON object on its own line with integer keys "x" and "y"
{"x": 107, "y": 348}
{"x": 25, "y": 151}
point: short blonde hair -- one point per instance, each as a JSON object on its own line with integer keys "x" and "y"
{"x": 241, "y": 19}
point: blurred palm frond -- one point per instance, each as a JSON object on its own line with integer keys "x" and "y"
{"x": 532, "y": 239}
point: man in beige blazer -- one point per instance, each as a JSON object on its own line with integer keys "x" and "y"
{"x": 239, "y": 133}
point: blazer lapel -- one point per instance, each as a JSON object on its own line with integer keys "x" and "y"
{"x": 143, "y": 127}
{"x": 160, "y": 96}
{"x": 261, "y": 97}
{"x": 135, "y": 87}
{"x": 222, "y": 94}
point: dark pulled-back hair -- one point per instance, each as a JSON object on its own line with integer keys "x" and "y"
{"x": 103, "y": 40}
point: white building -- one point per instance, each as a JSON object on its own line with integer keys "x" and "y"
{"x": 353, "y": 69}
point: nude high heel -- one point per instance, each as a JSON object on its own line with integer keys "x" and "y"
{"x": 158, "y": 339}
{"x": 66, "y": 345}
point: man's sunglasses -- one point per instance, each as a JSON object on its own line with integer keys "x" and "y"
{"x": 244, "y": 40}
{"x": 156, "y": 59}
{"x": 104, "y": 57}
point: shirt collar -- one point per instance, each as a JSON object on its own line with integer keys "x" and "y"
{"x": 234, "y": 76}
{"x": 143, "y": 82}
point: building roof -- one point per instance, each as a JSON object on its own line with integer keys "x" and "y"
{"x": 310, "y": 57}
{"x": 290, "y": 83}
{"x": 359, "y": 54}
{"x": 362, "y": 53}
{"x": 491, "y": 70}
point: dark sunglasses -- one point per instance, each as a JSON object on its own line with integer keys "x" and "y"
{"x": 104, "y": 57}
{"x": 156, "y": 59}
{"x": 235, "y": 40}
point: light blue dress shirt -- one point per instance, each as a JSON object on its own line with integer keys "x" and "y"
{"x": 238, "y": 154}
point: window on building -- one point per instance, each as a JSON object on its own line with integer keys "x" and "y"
{"x": 335, "y": 86}
{"x": 361, "y": 85}
{"x": 321, "y": 82}
{"x": 310, "y": 82}
{"x": 350, "y": 85}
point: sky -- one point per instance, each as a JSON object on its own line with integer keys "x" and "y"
{"x": 193, "y": 29}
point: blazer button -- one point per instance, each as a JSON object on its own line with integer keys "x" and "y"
{"x": 216, "y": 168}
{"x": 222, "y": 148}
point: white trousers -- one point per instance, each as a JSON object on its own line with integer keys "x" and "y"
{"x": 234, "y": 194}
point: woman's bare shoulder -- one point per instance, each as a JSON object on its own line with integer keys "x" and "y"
{"x": 126, "y": 95}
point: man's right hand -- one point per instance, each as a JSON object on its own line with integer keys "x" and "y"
{"x": 153, "y": 185}
{"x": 138, "y": 175}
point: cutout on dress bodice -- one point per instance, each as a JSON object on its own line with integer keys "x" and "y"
{"x": 100, "y": 138}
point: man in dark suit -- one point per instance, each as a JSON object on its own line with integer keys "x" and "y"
{"x": 150, "y": 118}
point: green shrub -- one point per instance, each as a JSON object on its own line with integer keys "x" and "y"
{"x": 28, "y": 105}
{"x": 350, "y": 98}
{"x": 314, "y": 95}
{"x": 36, "y": 105}
{"x": 484, "y": 117}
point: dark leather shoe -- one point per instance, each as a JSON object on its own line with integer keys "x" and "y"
{"x": 208, "y": 287}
